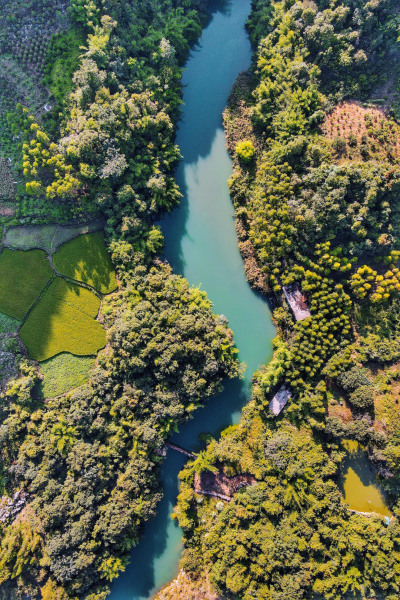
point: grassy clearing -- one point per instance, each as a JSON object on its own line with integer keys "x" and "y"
{"x": 64, "y": 321}
{"x": 23, "y": 275}
{"x": 64, "y": 372}
{"x": 8, "y": 324}
{"x": 63, "y": 61}
{"x": 86, "y": 259}
{"x": 47, "y": 237}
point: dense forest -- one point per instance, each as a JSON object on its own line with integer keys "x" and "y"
{"x": 313, "y": 133}
{"x": 80, "y": 471}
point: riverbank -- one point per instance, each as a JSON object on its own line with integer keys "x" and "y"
{"x": 166, "y": 352}
{"x": 201, "y": 244}
{"x": 307, "y": 216}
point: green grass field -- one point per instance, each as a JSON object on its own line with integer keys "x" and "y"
{"x": 86, "y": 259}
{"x": 23, "y": 275}
{"x": 64, "y": 321}
{"x": 64, "y": 372}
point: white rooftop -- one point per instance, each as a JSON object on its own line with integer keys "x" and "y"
{"x": 280, "y": 399}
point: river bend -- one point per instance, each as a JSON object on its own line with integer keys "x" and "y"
{"x": 201, "y": 244}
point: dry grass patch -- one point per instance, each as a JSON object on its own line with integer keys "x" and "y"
{"x": 64, "y": 321}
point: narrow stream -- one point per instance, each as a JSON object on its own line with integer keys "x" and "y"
{"x": 201, "y": 244}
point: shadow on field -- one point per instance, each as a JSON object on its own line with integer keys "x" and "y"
{"x": 86, "y": 259}
{"x": 64, "y": 321}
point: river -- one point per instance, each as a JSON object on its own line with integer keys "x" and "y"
{"x": 201, "y": 244}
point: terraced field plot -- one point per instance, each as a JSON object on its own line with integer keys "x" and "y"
{"x": 64, "y": 321}
{"x": 23, "y": 276}
{"x": 64, "y": 372}
{"x": 86, "y": 259}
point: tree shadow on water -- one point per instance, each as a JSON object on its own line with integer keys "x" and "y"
{"x": 214, "y": 64}
{"x": 218, "y": 413}
{"x": 174, "y": 227}
{"x": 154, "y": 560}
{"x": 222, "y": 52}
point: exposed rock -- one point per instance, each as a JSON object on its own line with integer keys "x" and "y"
{"x": 297, "y": 301}
{"x": 280, "y": 400}
{"x": 11, "y": 507}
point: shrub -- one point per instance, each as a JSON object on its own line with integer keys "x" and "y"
{"x": 339, "y": 144}
{"x": 350, "y": 380}
{"x": 362, "y": 397}
{"x": 245, "y": 150}
{"x": 352, "y": 140}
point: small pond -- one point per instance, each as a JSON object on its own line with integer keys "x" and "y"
{"x": 358, "y": 482}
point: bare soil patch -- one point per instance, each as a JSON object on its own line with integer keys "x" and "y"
{"x": 183, "y": 588}
{"x": 219, "y": 483}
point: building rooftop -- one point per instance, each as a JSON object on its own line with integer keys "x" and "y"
{"x": 280, "y": 399}
{"x": 297, "y": 301}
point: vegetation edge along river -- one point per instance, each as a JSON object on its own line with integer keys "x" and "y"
{"x": 201, "y": 245}
{"x": 309, "y": 129}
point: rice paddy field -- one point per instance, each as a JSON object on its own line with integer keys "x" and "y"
{"x": 55, "y": 318}
{"x": 64, "y": 372}
{"x": 23, "y": 275}
{"x": 86, "y": 259}
{"x": 64, "y": 321}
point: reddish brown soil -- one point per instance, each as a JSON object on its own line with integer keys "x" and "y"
{"x": 342, "y": 412}
{"x": 219, "y": 483}
{"x": 349, "y": 118}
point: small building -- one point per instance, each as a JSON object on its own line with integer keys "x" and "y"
{"x": 280, "y": 400}
{"x": 297, "y": 301}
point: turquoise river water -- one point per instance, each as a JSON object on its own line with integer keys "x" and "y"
{"x": 201, "y": 244}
